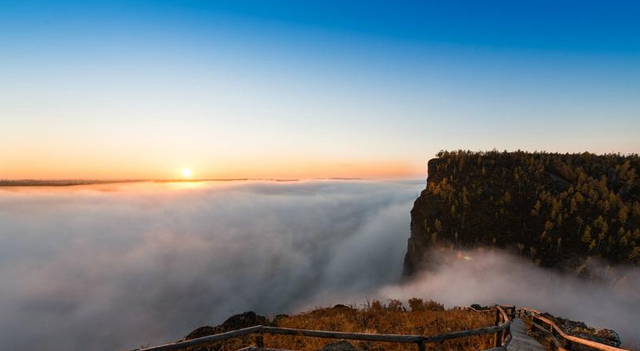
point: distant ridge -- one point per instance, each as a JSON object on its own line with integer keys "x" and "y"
{"x": 62, "y": 182}
{"x": 76, "y": 182}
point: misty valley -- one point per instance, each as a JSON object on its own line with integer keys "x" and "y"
{"x": 319, "y": 175}
{"x": 143, "y": 263}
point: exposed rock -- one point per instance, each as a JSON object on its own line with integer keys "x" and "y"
{"x": 476, "y": 306}
{"x": 202, "y": 331}
{"x": 237, "y": 321}
{"x": 581, "y": 330}
{"x": 339, "y": 346}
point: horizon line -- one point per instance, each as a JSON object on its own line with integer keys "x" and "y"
{"x": 74, "y": 182}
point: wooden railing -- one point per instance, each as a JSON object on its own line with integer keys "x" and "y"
{"x": 559, "y": 339}
{"x": 501, "y": 331}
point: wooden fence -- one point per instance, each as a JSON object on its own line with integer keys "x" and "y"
{"x": 559, "y": 340}
{"x": 501, "y": 332}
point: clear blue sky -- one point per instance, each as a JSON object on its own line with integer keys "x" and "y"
{"x": 117, "y": 89}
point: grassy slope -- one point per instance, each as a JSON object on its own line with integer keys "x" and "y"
{"x": 373, "y": 318}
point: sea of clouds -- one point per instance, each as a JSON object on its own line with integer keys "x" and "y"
{"x": 118, "y": 267}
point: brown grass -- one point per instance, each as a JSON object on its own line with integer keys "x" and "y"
{"x": 425, "y": 318}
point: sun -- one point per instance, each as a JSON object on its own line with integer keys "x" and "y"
{"x": 186, "y": 172}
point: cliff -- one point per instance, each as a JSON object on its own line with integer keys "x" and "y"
{"x": 558, "y": 210}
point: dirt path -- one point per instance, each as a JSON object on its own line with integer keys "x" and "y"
{"x": 520, "y": 340}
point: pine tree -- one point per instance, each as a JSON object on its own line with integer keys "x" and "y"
{"x": 548, "y": 225}
{"x": 465, "y": 198}
{"x": 636, "y": 209}
{"x": 507, "y": 197}
{"x": 623, "y": 214}
{"x": 520, "y": 247}
{"x": 623, "y": 241}
{"x": 586, "y": 236}
{"x": 574, "y": 205}
{"x": 438, "y": 225}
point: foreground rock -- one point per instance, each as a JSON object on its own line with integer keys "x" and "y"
{"x": 581, "y": 330}
{"x": 238, "y": 321}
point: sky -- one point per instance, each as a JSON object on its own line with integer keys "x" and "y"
{"x": 308, "y": 89}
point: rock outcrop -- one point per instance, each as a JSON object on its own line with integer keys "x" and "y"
{"x": 558, "y": 210}
{"x": 581, "y": 330}
{"x": 237, "y": 321}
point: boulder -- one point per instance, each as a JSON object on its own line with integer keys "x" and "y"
{"x": 237, "y": 321}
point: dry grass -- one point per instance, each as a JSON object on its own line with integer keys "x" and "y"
{"x": 374, "y": 317}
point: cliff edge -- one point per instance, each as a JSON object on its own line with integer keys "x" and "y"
{"x": 558, "y": 210}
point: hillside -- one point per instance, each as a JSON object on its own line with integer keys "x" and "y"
{"x": 419, "y": 318}
{"x": 558, "y": 210}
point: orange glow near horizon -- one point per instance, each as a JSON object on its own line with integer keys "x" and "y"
{"x": 292, "y": 168}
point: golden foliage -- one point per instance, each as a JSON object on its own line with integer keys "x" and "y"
{"x": 425, "y": 318}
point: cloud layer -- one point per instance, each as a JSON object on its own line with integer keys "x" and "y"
{"x": 116, "y": 269}
{"x": 490, "y": 277}
{"x": 113, "y": 268}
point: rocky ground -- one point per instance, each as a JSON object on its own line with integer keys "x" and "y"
{"x": 581, "y": 330}
{"x": 425, "y": 318}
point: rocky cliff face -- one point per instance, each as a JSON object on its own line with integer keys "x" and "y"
{"x": 559, "y": 210}
{"x": 419, "y": 242}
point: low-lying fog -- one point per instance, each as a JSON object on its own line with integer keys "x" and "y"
{"x": 118, "y": 267}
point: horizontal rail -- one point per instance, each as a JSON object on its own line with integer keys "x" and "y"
{"x": 462, "y": 334}
{"x": 205, "y": 339}
{"x": 341, "y": 335}
{"x": 574, "y": 339}
{"x": 503, "y": 313}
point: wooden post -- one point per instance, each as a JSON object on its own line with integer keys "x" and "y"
{"x": 498, "y": 337}
{"x": 568, "y": 345}
{"x": 422, "y": 346}
{"x": 533, "y": 322}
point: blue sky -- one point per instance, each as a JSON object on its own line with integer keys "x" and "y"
{"x": 308, "y": 88}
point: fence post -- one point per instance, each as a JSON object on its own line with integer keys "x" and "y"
{"x": 421, "y": 346}
{"x": 568, "y": 345}
{"x": 533, "y": 321}
{"x": 260, "y": 341}
{"x": 498, "y": 336}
